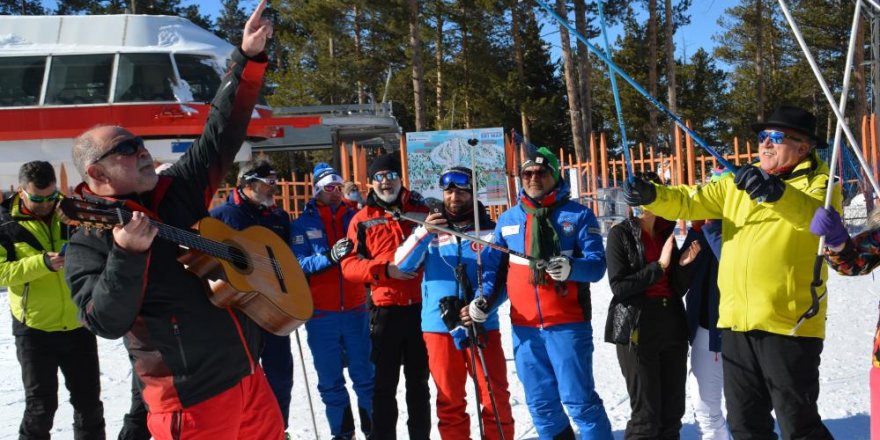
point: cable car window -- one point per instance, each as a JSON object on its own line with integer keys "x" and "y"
{"x": 201, "y": 73}
{"x": 79, "y": 79}
{"x": 21, "y": 79}
{"x": 144, "y": 77}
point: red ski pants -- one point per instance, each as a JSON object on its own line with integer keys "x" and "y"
{"x": 450, "y": 368}
{"x": 248, "y": 410}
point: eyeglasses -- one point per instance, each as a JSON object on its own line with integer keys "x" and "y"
{"x": 332, "y": 188}
{"x": 776, "y": 137}
{"x": 127, "y": 147}
{"x": 43, "y": 199}
{"x": 540, "y": 173}
{"x": 455, "y": 179}
{"x": 389, "y": 176}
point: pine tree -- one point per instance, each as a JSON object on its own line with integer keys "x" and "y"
{"x": 228, "y": 25}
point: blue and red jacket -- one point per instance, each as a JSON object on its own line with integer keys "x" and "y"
{"x": 312, "y": 235}
{"x": 551, "y": 303}
{"x": 239, "y": 214}
{"x": 440, "y": 254}
{"x": 376, "y": 236}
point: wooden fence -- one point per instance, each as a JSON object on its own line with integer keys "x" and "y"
{"x": 686, "y": 164}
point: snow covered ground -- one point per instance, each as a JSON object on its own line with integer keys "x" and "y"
{"x": 844, "y": 400}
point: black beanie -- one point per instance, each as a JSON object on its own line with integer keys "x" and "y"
{"x": 385, "y": 162}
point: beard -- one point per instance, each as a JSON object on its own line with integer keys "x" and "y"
{"x": 388, "y": 197}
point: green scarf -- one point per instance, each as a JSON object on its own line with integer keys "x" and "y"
{"x": 543, "y": 240}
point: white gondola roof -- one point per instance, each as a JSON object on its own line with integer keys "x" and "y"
{"x": 86, "y": 34}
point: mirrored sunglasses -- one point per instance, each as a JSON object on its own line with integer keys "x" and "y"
{"x": 43, "y": 199}
{"x": 776, "y": 137}
{"x": 389, "y": 176}
{"x": 127, "y": 147}
{"x": 271, "y": 181}
{"x": 456, "y": 179}
{"x": 332, "y": 188}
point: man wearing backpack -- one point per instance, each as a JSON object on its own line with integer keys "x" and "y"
{"x": 48, "y": 336}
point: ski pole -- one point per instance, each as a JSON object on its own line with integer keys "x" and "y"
{"x": 475, "y": 344}
{"x": 616, "y": 92}
{"x": 397, "y": 215}
{"x": 306, "y": 381}
{"x": 489, "y": 390}
{"x": 613, "y": 67}
{"x": 835, "y": 150}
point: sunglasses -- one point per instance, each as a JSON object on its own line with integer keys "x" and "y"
{"x": 127, "y": 147}
{"x": 776, "y": 137}
{"x": 43, "y": 199}
{"x": 267, "y": 180}
{"x": 389, "y": 176}
{"x": 455, "y": 179}
{"x": 332, "y": 188}
{"x": 537, "y": 174}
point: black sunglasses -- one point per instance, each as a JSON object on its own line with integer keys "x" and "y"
{"x": 127, "y": 147}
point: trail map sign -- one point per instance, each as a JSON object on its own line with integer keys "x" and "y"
{"x": 428, "y": 153}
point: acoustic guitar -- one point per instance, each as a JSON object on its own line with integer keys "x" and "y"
{"x": 252, "y": 270}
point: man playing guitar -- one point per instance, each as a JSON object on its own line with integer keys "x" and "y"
{"x": 197, "y": 362}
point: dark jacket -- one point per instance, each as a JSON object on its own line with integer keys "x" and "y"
{"x": 238, "y": 213}
{"x": 704, "y": 284}
{"x": 630, "y": 276}
{"x": 183, "y": 348}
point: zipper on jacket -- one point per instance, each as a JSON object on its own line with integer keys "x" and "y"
{"x": 176, "y": 330}
{"x": 338, "y": 269}
{"x": 24, "y": 299}
{"x": 177, "y": 425}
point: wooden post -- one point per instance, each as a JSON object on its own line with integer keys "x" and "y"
{"x": 641, "y": 157}
{"x": 344, "y": 162}
{"x": 679, "y": 163}
{"x": 874, "y": 155}
{"x": 614, "y": 172}
{"x": 736, "y": 151}
{"x": 403, "y": 163}
{"x": 691, "y": 162}
{"x": 603, "y": 154}
{"x": 591, "y": 179}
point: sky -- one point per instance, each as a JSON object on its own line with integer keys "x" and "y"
{"x": 704, "y": 24}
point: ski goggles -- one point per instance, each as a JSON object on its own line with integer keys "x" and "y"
{"x": 456, "y": 179}
{"x": 389, "y": 176}
{"x": 776, "y": 137}
{"x": 332, "y": 188}
{"x": 127, "y": 147}
{"x": 42, "y": 199}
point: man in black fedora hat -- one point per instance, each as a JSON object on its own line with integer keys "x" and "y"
{"x": 765, "y": 274}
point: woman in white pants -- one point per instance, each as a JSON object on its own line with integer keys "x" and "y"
{"x": 705, "y": 380}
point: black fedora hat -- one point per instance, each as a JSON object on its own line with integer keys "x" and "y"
{"x": 795, "y": 118}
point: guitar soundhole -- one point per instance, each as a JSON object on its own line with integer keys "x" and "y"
{"x": 239, "y": 259}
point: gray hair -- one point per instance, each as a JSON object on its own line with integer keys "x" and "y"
{"x": 86, "y": 150}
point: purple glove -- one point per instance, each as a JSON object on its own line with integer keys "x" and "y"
{"x": 827, "y": 222}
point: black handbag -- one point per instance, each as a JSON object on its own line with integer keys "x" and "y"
{"x": 625, "y": 323}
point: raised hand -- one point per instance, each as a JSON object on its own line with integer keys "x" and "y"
{"x": 639, "y": 191}
{"x": 827, "y": 222}
{"x": 689, "y": 254}
{"x": 257, "y": 31}
{"x": 760, "y": 186}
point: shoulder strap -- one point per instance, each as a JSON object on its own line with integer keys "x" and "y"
{"x": 10, "y": 233}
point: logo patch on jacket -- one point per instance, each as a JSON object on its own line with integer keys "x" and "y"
{"x": 509, "y": 230}
{"x": 314, "y": 234}
{"x": 568, "y": 228}
{"x": 298, "y": 239}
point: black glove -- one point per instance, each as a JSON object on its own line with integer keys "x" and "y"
{"x": 450, "y": 306}
{"x": 760, "y": 186}
{"x": 639, "y": 191}
{"x": 340, "y": 249}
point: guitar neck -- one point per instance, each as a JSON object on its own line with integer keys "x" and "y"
{"x": 192, "y": 240}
